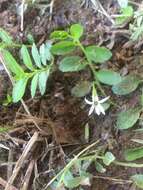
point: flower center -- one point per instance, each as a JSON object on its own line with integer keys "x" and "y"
{"x": 95, "y": 103}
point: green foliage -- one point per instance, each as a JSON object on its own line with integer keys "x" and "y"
{"x": 136, "y": 28}
{"x": 99, "y": 167}
{"x": 38, "y": 73}
{"x": 138, "y": 180}
{"x": 98, "y": 54}
{"x": 12, "y": 64}
{"x": 7, "y": 101}
{"x": 34, "y": 84}
{"x": 59, "y": 35}
{"x": 108, "y": 77}
{"x": 133, "y": 154}
{"x": 72, "y": 64}
{"x": 63, "y": 47}
{"x": 5, "y": 37}
{"x": 26, "y": 58}
{"x": 36, "y": 56}
{"x": 76, "y": 31}
{"x": 81, "y": 89}
{"x": 127, "y": 85}
{"x": 126, "y": 14}
{"x": 108, "y": 158}
{"x": 19, "y": 89}
{"x": 127, "y": 119}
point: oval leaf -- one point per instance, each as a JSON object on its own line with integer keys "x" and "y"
{"x": 19, "y": 89}
{"x": 36, "y": 56}
{"x": 43, "y": 76}
{"x": 59, "y": 35}
{"x": 62, "y": 48}
{"x": 98, "y": 54}
{"x": 71, "y": 64}
{"x": 76, "y": 31}
{"x": 5, "y": 37}
{"x": 81, "y": 89}
{"x": 12, "y": 64}
{"x": 34, "y": 84}
{"x": 26, "y": 58}
{"x": 108, "y": 158}
{"x": 138, "y": 180}
{"x": 127, "y": 85}
{"x": 128, "y": 118}
{"x": 108, "y": 77}
{"x": 76, "y": 181}
{"x": 133, "y": 154}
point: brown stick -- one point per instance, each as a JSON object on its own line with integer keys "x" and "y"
{"x": 4, "y": 183}
{"x": 28, "y": 175}
{"x": 21, "y": 160}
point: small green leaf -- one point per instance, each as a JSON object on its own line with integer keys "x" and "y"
{"x": 63, "y": 47}
{"x": 43, "y": 77}
{"x": 72, "y": 64}
{"x": 76, "y": 181}
{"x": 5, "y": 37}
{"x": 67, "y": 177}
{"x": 76, "y": 31}
{"x": 34, "y": 84}
{"x": 108, "y": 77}
{"x": 81, "y": 89}
{"x": 7, "y": 101}
{"x": 43, "y": 54}
{"x": 126, "y": 13}
{"x": 26, "y": 58}
{"x": 127, "y": 119}
{"x": 98, "y": 54}
{"x": 108, "y": 158}
{"x": 99, "y": 167}
{"x": 138, "y": 180}
{"x": 48, "y": 46}
{"x": 133, "y": 154}
{"x": 19, "y": 89}
{"x": 12, "y": 64}
{"x": 36, "y": 56}
{"x": 127, "y": 85}
{"x": 59, "y": 35}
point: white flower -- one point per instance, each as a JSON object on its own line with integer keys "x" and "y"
{"x": 96, "y": 105}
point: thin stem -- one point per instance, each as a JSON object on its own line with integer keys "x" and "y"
{"x": 64, "y": 170}
{"x": 130, "y": 164}
{"x": 119, "y": 181}
{"x": 92, "y": 68}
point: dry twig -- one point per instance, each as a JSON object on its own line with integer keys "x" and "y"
{"x": 21, "y": 160}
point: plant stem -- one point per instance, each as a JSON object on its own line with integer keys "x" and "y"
{"x": 129, "y": 164}
{"x": 69, "y": 165}
{"x": 91, "y": 67}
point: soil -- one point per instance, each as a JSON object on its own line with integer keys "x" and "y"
{"x": 58, "y": 109}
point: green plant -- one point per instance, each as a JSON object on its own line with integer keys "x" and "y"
{"x": 136, "y": 28}
{"x": 76, "y": 172}
{"x": 38, "y": 72}
{"x": 65, "y": 44}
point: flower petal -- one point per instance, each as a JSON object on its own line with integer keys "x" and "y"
{"x": 100, "y": 107}
{"x": 97, "y": 110}
{"x": 88, "y": 102}
{"x": 104, "y": 100}
{"x": 91, "y": 110}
